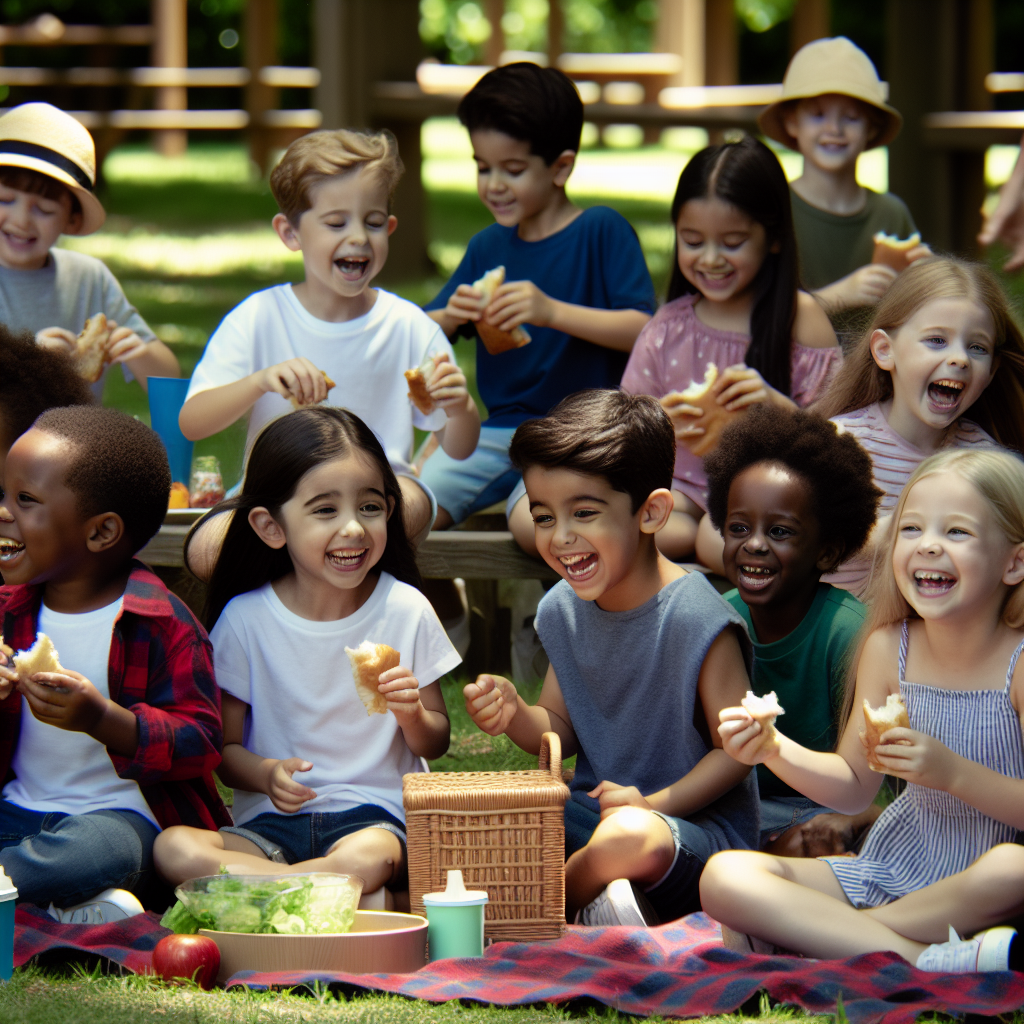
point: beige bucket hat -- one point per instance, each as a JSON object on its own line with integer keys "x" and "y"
{"x": 830, "y": 66}
{"x": 42, "y": 138}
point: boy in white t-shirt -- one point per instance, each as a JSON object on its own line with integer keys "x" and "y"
{"x": 334, "y": 189}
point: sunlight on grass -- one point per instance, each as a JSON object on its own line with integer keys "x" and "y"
{"x": 138, "y": 163}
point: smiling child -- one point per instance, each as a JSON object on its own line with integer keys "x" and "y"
{"x": 643, "y": 655}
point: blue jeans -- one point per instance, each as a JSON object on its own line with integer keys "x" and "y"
{"x": 68, "y": 858}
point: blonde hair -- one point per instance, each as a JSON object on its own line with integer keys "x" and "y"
{"x": 998, "y": 476}
{"x": 861, "y": 382}
{"x": 325, "y": 154}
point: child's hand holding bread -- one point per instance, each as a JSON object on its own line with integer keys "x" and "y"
{"x": 893, "y": 747}
{"x": 492, "y": 702}
{"x": 437, "y": 383}
{"x": 298, "y": 380}
{"x": 748, "y": 731}
{"x": 8, "y": 673}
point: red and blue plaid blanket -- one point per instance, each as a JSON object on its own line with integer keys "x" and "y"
{"x": 677, "y": 970}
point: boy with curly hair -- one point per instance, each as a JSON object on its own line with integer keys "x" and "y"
{"x": 792, "y": 498}
{"x": 128, "y": 700}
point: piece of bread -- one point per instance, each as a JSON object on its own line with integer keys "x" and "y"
{"x": 495, "y": 340}
{"x": 764, "y": 710}
{"x": 892, "y": 251}
{"x": 40, "y": 657}
{"x": 91, "y": 348}
{"x": 368, "y": 661}
{"x": 716, "y": 417}
{"x": 891, "y": 715}
{"x": 419, "y": 378}
{"x": 296, "y": 404}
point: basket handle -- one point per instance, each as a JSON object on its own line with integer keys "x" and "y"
{"x": 550, "y": 757}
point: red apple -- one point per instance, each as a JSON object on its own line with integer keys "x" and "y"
{"x": 187, "y": 956}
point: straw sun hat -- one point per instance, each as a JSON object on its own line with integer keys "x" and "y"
{"x": 830, "y": 66}
{"x": 42, "y": 138}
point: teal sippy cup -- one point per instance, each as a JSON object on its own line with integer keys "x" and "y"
{"x": 8, "y": 900}
{"x": 455, "y": 920}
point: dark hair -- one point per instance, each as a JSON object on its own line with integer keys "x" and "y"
{"x": 24, "y": 179}
{"x": 32, "y": 380}
{"x": 533, "y": 104}
{"x": 838, "y": 470}
{"x": 625, "y": 438}
{"x": 118, "y": 465}
{"x": 284, "y": 452}
{"x": 747, "y": 175}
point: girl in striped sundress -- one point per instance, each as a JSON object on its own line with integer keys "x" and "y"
{"x": 945, "y": 633}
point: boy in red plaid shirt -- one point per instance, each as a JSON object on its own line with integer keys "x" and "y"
{"x": 120, "y": 740}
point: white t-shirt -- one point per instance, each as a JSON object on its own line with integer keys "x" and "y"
{"x": 366, "y": 358}
{"x": 297, "y": 680}
{"x": 59, "y": 770}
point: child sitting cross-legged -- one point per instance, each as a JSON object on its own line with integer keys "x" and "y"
{"x": 316, "y": 562}
{"x": 120, "y": 738}
{"x": 644, "y": 656}
{"x": 792, "y": 497}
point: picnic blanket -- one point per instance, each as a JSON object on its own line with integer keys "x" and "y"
{"x": 677, "y": 970}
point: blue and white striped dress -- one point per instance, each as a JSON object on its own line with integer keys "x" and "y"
{"x": 925, "y": 835}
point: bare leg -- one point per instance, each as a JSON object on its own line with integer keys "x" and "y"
{"x": 677, "y": 539}
{"x": 520, "y": 522}
{"x": 204, "y": 548}
{"x": 710, "y": 546}
{"x": 632, "y": 843}
{"x": 444, "y": 519}
{"x": 417, "y": 510}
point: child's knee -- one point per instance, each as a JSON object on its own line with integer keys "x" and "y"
{"x": 176, "y": 846}
{"x": 723, "y": 877}
{"x": 638, "y": 834}
{"x": 1002, "y": 868}
{"x": 416, "y": 509}
{"x": 520, "y": 523}
{"x": 368, "y": 849}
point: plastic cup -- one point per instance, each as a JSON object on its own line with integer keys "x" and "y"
{"x": 455, "y": 920}
{"x": 166, "y": 397}
{"x": 8, "y": 898}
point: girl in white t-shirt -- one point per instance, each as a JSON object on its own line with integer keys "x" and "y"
{"x": 317, "y": 560}
{"x": 941, "y": 344}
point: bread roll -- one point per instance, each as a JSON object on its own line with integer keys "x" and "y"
{"x": 91, "y": 348}
{"x": 419, "y": 378}
{"x": 296, "y": 404}
{"x": 495, "y": 340}
{"x": 891, "y": 251}
{"x": 891, "y": 715}
{"x": 369, "y": 660}
{"x": 40, "y": 657}
{"x": 716, "y": 417}
{"x": 764, "y": 710}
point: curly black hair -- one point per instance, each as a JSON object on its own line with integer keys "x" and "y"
{"x": 32, "y": 380}
{"x": 845, "y": 498}
{"x": 118, "y": 465}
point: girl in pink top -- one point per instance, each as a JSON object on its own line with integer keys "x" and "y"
{"x": 734, "y": 302}
{"x": 942, "y": 342}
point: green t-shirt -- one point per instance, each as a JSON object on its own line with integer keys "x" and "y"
{"x": 807, "y": 670}
{"x": 832, "y": 246}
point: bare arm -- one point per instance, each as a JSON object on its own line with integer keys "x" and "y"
{"x": 459, "y": 436}
{"x": 421, "y": 713}
{"x": 154, "y": 360}
{"x": 812, "y": 327}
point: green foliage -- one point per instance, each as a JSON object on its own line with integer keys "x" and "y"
{"x": 761, "y": 15}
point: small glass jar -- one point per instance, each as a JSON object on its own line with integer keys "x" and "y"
{"x": 207, "y": 484}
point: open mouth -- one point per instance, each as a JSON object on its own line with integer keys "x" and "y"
{"x": 579, "y": 567}
{"x": 348, "y": 558}
{"x": 932, "y": 583}
{"x": 717, "y": 278}
{"x": 353, "y": 266}
{"x": 945, "y": 394}
{"x": 755, "y": 577}
{"x": 9, "y": 549}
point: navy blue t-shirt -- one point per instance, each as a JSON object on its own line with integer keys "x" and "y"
{"x": 595, "y": 261}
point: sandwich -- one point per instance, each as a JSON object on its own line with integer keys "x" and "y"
{"x": 40, "y": 657}
{"x": 369, "y": 660}
{"x": 419, "y": 378}
{"x": 91, "y": 352}
{"x": 296, "y": 404}
{"x": 892, "y": 251}
{"x": 891, "y": 715}
{"x": 497, "y": 341}
{"x": 716, "y": 417}
{"x": 764, "y": 710}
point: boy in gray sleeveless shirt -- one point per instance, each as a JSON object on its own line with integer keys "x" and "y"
{"x": 643, "y": 656}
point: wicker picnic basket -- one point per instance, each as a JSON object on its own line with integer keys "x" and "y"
{"x": 505, "y": 831}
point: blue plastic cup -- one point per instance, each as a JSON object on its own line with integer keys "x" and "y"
{"x": 166, "y": 397}
{"x": 8, "y": 898}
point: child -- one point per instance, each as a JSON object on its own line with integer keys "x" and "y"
{"x": 792, "y": 497}
{"x": 47, "y": 176}
{"x": 576, "y": 278}
{"x": 734, "y": 302}
{"x": 945, "y": 635}
{"x": 123, "y": 738}
{"x": 833, "y": 109}
{"x": 317, "y": 561}
{"x": 334, "y": 189}
{"x": 941, "y": 343}
{"x": 643, "y": 654}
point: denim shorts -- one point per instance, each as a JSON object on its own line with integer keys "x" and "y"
{"x": 779, "y": 813}
{"x": 291, "y": 838}
{"x": 465, "y": 486}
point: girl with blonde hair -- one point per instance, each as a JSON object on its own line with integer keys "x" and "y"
{"x": 942, "y": 345}
{"x": 949, "y": 614}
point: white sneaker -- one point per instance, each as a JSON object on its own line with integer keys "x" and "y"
{"x": 741, "y": 942}
{"x": 987, "y": 951}
{"x": 618, "y": 903}
{"x": 109, "y": 905}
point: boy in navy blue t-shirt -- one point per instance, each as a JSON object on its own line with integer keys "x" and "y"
{"x": 576, "y": 278}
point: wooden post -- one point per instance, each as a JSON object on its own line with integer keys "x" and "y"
{"x": 721, "y": 47}
{"x": 170, "y": 50}
{"x": 812, "y": 19}
{"x": 681, "y": 30}
{"x": 259, "y": 37}
{"x": 494, "y": 9}
{"x": 556, "y": 31}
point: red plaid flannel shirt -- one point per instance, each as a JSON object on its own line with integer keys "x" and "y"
{"x": 160, "y": 669}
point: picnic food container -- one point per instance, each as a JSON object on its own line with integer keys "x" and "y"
{"x": 456, "y": 919}
{"x": 8, "y": 900}
{"x": 207, "y": 485}
{"x": 504, "y": 831}
{"x": 380, "y": 942}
